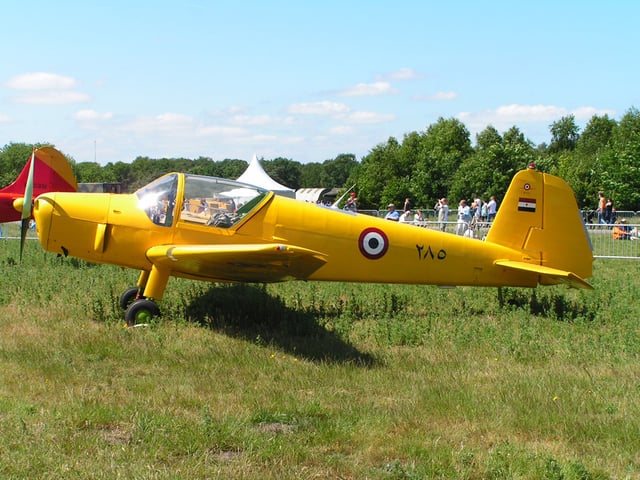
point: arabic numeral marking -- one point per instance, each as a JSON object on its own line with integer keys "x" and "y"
{"x": 429, "y": 254}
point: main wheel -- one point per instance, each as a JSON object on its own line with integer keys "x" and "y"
{"x": 128, "y": 297}
{"x": 141, "y": 311}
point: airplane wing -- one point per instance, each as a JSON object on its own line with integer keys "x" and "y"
{"x": 238, "y": 263}
{"x": 549, "y": 276}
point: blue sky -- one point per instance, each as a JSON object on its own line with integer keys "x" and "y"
{"x": 111, "y": 81}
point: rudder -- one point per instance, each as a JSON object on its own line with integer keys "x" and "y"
{"x": 539, "y": 216}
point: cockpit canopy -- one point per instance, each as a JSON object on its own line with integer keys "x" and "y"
{"x": 202, "y": 200}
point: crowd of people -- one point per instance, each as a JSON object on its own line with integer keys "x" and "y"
{"x": 481, "y": 211}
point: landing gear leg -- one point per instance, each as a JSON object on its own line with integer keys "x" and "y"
{"x": 138, "y": 302}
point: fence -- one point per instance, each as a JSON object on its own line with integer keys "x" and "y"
{"x": 601, "y": 236}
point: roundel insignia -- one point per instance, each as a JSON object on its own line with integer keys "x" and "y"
{"x": 527, "y": 186}
{"x": 373, "y": 243}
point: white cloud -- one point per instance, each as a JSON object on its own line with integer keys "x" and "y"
{"x": 341, "y": 130}
{"x": 52, "y": 97}
{"x": 401, "y": 74}
{"x": 529, "y": 113}
{"x": 585, "y": 113}
{"x": 46, "y": 89}
{"x": 259, "y": 120}
{"x": 4, "y": 118}
{"x": 318, "y": 108}
{"x": 164, "y": 122}
{"x": 235, "y": 109}
{"x": 41, "y": 81}
{"x": 221, "y": 130}
{"x": 91, "y": 115}
{"x": 515, "y": 114}
{"x": 368, "y": 89}
{"x": 534, "y": 119}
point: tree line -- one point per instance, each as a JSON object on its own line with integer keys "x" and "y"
{"x": 440, "y": 161}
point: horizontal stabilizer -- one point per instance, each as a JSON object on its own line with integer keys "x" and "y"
{"x": 548, "y": 275}
{"x": 238, "y": 263}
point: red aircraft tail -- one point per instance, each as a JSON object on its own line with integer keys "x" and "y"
{"x": 52, "y": 173}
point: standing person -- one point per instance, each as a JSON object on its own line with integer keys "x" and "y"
{"x": 485, "y": 212}
{"x": 464, "y": 217}
{"x": 407, "y": 204}
{"x": 608, "y": 211}
{"x": 492, "y": 208}
{"x": 442, "y": 210}
{"x": 392, "y": 213}
{"x": 600, "y": 210}
{"x": 477, "y": 212}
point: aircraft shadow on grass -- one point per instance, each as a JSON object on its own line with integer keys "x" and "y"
{"x": 247, "y": 311}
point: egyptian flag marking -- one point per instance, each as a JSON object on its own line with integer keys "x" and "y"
{"x": 526, "y": 204}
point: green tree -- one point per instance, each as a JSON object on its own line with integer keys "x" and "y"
{"x": 580, "y": 167}
{"x": 89, "y": 172}
{"x": 228, "y": 168}
{"x": 494, "y": 162}
{"x": 441, "y": 152}
{"x": 337, "y": 171}
{"x": 376, "y": 170}
{"x": 619, "y": 164}
{"x": 564, "y": 134}
{"x": 284, "y": 171}
{"x": 311, "y": 175}
{"x": 119, "y": 172}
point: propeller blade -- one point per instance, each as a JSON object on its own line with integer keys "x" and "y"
{"x": 27, "y": 203}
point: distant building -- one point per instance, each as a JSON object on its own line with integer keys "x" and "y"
{"x": 100, "y": 187}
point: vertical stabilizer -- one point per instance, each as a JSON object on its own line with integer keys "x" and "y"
{"x": 539, "y": 216}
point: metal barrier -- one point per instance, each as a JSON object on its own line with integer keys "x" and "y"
{"x": 606, "y": 246}
{"x": 601, "y": 236}
{"x": 472, "y": 230}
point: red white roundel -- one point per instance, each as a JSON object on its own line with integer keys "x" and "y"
{"x": 373, "y": 243}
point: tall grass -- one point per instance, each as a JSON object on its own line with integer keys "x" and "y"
{"x": 315, "y": 380}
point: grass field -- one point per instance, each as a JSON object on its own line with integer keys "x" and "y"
{"x": 312, "y": 380}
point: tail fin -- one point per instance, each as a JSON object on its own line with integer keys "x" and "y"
{"x": 539, "y": 216}
{"x": 52, "y": 173}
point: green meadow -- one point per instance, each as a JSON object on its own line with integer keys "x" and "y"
{"x": 315, "y": 380}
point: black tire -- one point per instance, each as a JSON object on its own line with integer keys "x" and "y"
{"x": 128, "y": 297}
{"x": 141, "y": 312}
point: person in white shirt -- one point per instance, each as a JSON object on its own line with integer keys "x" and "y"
{"x": 464, "y": 217}
{"x": 406, "y": 217}
{"x": 442, "y": 209}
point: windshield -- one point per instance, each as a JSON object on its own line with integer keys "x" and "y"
{"x": 158, "y": 199}
{"x": 217, "y": 202}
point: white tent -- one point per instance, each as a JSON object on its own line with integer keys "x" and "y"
{"x": 255, "y": 175}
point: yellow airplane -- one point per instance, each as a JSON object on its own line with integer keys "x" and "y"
{"x": 211, "y": 229}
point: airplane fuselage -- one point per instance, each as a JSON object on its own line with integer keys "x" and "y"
{"x": 357, "y": 247}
